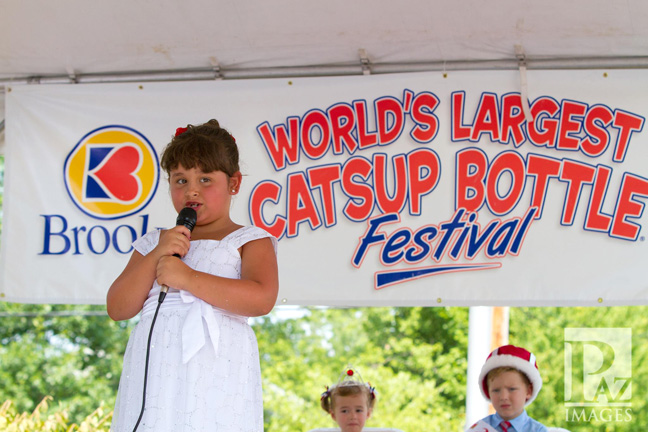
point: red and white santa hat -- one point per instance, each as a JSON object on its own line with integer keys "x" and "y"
{"x": 515, "y": 357}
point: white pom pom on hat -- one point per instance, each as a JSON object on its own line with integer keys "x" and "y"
{"x": 515, "y": 357}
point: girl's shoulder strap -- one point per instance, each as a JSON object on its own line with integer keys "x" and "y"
{"x": 147, "y": 242}
{"x": 248, "y": 233}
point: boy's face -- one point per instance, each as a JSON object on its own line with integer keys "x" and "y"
{"x": 351, "y": 412}
{"x": 508, "y": 393}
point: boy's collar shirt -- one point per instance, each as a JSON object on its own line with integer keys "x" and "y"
{"x": 521, "y": 423}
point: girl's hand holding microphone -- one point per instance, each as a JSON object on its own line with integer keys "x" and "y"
{"x": 174, "y": 244}
{"x": 172, "y": 272}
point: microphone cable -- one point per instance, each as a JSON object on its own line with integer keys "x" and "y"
{"x": 163, "y": 293}
{"x": 186, "y": 217}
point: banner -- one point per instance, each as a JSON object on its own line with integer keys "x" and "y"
{"x": 408, "y": 189}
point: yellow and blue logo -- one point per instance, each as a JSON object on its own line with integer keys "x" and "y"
{"x": 112, "y": 172}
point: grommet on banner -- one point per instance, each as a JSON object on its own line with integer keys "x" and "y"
{"x": 524, "y": 91}
{"x": 364, "y": 61}
{"x": 218, "y": 75}
{"x": 72, "y": 75}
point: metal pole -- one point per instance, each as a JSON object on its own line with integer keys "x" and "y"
{"x": 480, "y": 321}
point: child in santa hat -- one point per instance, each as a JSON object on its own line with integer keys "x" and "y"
{"x": 510, "y": 380}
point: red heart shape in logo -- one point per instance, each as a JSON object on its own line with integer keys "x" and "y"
{"x": 117, "y": 173}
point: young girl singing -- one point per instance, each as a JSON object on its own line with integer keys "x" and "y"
{"x": 203, "y": 369}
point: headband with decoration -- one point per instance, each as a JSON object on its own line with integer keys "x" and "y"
{"x": 181, "y": 130}
{"x": 349, "y": 377}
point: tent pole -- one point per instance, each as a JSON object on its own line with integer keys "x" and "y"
{"x": 480, "y": 321}
{"x": 224, "y": 72}
{"x": 488, "y": 328}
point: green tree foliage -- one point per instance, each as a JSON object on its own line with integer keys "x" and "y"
{"x": 45, "y": 419}
{"x": 72, "y": 353}
{"x": 415, "y": 357}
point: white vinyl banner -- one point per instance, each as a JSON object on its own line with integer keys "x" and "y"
{"x": 410, "y": 189}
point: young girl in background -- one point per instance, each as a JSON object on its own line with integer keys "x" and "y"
{"x": 350, "y": 402}
{"x": 203, "y": 370}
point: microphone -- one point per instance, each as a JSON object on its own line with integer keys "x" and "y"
{"x": 187, "y": 217}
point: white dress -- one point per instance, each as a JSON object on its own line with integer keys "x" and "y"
{"x": 204, "y": 372}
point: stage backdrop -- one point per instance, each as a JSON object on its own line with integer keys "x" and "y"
{"x": 410, "y": 189}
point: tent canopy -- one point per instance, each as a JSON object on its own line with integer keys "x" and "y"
{"x": 74, "y": 38}
{"x": 80, "y": 41}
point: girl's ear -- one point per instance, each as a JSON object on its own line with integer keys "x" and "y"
{"x": 369, "y": 411}
{"x": 333, "y": 415}
{"x": 235, "y": 182}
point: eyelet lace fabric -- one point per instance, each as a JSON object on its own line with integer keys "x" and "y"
{"x": 204, "y": 372}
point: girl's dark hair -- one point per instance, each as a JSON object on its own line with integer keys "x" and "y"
{"x": 346, "y": 388}
{"x": 206, "y": 146}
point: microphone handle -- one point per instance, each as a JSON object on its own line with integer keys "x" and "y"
{"x": 187, "y": 217}
{"x": 164, "y": 289}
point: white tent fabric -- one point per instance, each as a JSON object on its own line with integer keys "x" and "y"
{"x": 76, "y": 40}
{"x": 74, "y": 36}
